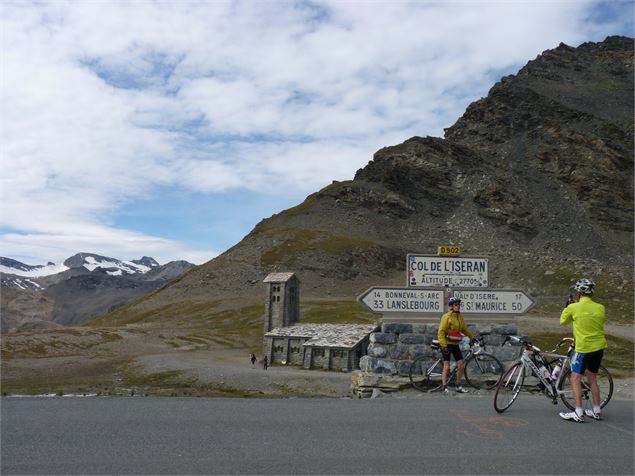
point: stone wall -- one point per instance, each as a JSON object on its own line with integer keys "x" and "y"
{"x": 319, "y": 358}
{"x": 296, "y": 352}
{"x": 392, "y": 350}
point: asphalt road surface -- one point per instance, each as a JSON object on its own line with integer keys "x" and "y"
{"x": 428, "y": 435}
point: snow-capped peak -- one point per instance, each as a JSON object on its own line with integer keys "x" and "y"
{"x": 91, "y": 261}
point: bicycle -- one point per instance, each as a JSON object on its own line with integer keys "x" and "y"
{"x": 533, "y": 363}
{"x": 480, "y": 367}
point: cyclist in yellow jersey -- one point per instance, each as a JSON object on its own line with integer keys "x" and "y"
{"x": 451, "y": 330}
{"x": 588, "y": 318}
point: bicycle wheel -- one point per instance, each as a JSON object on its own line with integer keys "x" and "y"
{"x": 417, "y": 374}
{"x": 483, "y": 369}
{"x": 605, "y": 382}
{"x": 509, "y": 387}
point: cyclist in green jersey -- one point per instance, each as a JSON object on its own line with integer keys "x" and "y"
{"x": 588, "y": 318}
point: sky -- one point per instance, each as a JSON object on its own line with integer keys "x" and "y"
{"x": 170, "y": 129}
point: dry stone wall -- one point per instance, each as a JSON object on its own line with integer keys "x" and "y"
{"x": 392, "y": 350}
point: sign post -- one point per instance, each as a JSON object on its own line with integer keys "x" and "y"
{"x": 494, "y": 301}
{"x": 447, "y": 271}
{"x": 403, "y": 300}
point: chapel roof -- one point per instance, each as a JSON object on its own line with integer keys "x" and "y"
{"x": 326, "y": 335}
{"x": 278, "y": 277}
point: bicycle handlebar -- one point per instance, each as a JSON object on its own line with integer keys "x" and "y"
{"x": 523, "y": 341}
{"x": 565, "y": 340}
{"x": 570, "y": 341}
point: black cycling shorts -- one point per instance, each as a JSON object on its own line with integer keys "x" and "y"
{"x": 582, "y": 362}
{"x": 454, "y": 350}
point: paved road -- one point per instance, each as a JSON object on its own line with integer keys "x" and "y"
{"x": 453, "y": 435}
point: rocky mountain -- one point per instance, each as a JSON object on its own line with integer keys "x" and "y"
{"x": 113, "y": 266}
{"x": 83, "y": 261}
{"x": 85, "y": 286}
{"x": 537, "y": 176}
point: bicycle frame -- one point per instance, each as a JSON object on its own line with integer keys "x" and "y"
{"x": 529, "y": 357}
{"x": 565, "y": 363}
{"x": 453, "y": 369}
{"x": 476, "y": 349}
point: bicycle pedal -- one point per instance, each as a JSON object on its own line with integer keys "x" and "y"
{"x": 554, "y": 401}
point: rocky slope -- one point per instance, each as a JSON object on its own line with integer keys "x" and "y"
{"x": 538, "y": 176}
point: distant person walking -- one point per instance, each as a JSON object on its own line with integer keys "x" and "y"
{"x": 587, "y": 317}
{"x": 253, "y": 360}
{"x": 451, "y": 330}
{"x": 265, "y": 362}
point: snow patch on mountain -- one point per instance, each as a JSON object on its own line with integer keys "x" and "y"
{"x": 20, "y": 283}
{"x": 91, "y": 263}
{"x": 34, "y": 272}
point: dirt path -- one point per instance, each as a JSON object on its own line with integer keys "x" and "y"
{"x": 231, "y": 369}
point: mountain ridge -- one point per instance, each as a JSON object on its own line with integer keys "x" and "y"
{"x": 85, "y": 286}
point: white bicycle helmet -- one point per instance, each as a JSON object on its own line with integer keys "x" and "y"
{"x": 584, "y": 286}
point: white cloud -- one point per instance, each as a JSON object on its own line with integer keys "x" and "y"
{"x": 104, "y": 102}
{"x": 42, "y": 247}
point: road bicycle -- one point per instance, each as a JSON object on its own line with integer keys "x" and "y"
{"x": 481, "y": 368}
{"x": 554, "y": 383}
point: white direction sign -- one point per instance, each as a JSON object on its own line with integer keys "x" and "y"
{"x": 453, "y": 272}
{"x": 420, "y": 301}
{"x": 494, "y": 301}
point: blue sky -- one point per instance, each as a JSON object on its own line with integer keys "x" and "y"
{"x": 170, "y": 129}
